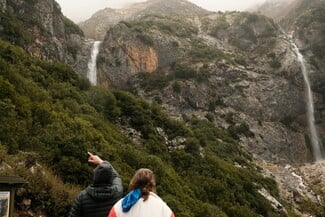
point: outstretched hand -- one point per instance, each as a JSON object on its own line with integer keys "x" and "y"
{"x": 94, "y": 159}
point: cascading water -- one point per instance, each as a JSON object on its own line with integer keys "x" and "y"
{"x": 92, "y": 68}
{"x": 318, "y": 151}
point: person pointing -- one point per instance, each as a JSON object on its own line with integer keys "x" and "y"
{"x": 99, "y": 197}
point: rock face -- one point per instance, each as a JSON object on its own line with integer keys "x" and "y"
{"x": 309, "y": 28}
{"x": 236, "y": 65}
{"x": 305, "y": 19}
{"x": 42, "y": 30}
{"x": 125, "y": 53}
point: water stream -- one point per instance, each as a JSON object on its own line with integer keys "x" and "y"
{"x": 318, "y": 151}
{"x": 92, "y": 67}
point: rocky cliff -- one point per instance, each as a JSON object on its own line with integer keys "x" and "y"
{"x": 235, "y": 68}
{"x": 308, "y": 26}
{"x": 43, "y": 31}
{"x": 305, "y": 19}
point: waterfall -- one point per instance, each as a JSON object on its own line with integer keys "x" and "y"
{"x": 92, "y": 68}
{"x": 318, "y": 151}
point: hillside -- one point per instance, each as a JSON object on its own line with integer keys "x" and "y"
{"x": 213, "y": 103}
{"x": 51, "y": 118}
{"x": 97, "y": 26}
{"x": 235, "y": 64}
{"x": 238, "y": 70}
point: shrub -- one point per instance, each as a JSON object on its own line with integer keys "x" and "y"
{"x": 274, "y": 61}
{"x": 177, "y": 87}
{"x": 146, "y": 39}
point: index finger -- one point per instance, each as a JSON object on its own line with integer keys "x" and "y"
{"x": 90, "y": 153}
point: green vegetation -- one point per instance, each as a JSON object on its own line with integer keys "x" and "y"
{"x": 153, "y": 81}
{"x": 71, "y": 27}
{"x": 247, "y": 31}
{"x": 13, "y": 30}
{"x": 274, "y": 61}
{"x": 177, "y": 87}
{"x": 16, "y": 27}
{"x": 218, "y": 27}
{"x": 52, "y": 117}
{"x": 179, "y": 71}
{"x": 168, "y": 25}
{"x": 203, "y": 53}
{"x": 146, "y": 39}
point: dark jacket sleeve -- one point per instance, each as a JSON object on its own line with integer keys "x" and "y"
{"x": 117, "y": 186}
{"x": 76, "y": 207}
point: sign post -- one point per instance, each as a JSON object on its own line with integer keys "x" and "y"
{"x": 8, "y": 184}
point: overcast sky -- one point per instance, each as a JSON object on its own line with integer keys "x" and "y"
{"x": 79, "y": 10}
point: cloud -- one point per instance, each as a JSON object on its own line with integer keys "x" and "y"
{"x": 226, "y": 5}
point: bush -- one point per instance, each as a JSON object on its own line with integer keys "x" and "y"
{"x": 274, "y": 61}
{"x": 177, "y": 87}
{"x": 146, "y": 39}
{"x": 184, "y": 71}
{"x": 203, "y": 53}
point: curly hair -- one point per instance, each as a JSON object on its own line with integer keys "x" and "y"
{"x": 144, "y": 179}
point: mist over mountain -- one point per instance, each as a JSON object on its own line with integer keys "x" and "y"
{"x": 215, "y": 103}
{"x": 97, "y": 26}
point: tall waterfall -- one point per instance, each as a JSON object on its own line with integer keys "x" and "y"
{"x": 318, "y": 151}
{"x": 92, "y": 68}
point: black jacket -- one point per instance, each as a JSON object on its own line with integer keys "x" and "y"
{"x": 97, "y": 200}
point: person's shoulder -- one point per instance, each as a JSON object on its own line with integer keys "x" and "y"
{"x": 159, "y": 202}
{"x": 154, "y": 196}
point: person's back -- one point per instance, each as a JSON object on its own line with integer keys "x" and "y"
{"x": 97, "y": 199}
{"x": 141, "y": 201}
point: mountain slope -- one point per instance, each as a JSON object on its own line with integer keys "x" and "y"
{"x": 275, "y": 9}
{"x": 41, "y": 29}
{"x": 233, "y": 83}
{"x": 224, "y": 64}
{"x": 97, "y": 26}
{"x": 50, "y": 119}
{"x": 306, "y": 22}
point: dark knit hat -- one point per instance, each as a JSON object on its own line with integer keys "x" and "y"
{"x": 102, "y": 175}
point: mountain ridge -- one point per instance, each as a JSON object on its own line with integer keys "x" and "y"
{"x": 101, "y": 21}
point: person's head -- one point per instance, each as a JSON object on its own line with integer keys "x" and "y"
{"x": 102, "y": 175}
{"x": 143, "y": 179}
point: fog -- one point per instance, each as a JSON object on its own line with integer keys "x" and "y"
{"x": 79, "y": 10}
